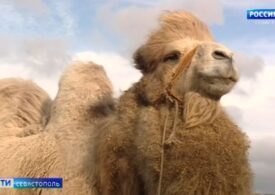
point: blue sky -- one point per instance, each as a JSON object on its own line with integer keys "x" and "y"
{"x": 39, "y": 38}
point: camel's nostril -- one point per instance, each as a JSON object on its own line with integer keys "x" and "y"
{"x": 221, "y": 55}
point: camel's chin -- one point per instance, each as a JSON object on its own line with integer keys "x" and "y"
{"x": 216, "y": 87}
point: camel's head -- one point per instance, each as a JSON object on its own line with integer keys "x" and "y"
{"x": 182, "y": 54}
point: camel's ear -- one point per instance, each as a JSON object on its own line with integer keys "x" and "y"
{"x": 140, "y": 60}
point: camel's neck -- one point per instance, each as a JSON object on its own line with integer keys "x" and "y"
{"x": 196, "y": 109}
{"x": 199, "y": 109}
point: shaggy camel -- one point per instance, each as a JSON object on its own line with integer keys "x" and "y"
{"x": 62, "y": 150}
{"x": 170, "y": 135}
{"x": 24, "y": 107}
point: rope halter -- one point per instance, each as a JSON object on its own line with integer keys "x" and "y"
{"x": 181, "y": 69}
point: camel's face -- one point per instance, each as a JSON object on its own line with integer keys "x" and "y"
{"x": 211, "y": 72}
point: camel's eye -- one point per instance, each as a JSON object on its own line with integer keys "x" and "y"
{"x": 172, "y": 57}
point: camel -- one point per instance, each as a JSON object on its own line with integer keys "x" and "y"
{"x": 169, "y": 134}
{"x": 63, "y": 148}
{"x": 24, "y": 109}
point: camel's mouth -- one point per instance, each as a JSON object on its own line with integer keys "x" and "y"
{"x": 221, "y": 79}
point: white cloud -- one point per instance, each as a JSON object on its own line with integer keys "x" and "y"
{"x": 235, "y": 113}
{"x": 249, "y": 66}
{"x": 14, "y": 70}
{"x": 263, "y": 163}
{"x": 45, "y": 55}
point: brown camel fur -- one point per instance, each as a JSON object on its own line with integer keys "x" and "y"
{"x": 24, "y": 107}
{"x": 179, "y": 133}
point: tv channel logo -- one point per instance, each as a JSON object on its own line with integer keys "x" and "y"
{"x": 26, "y": 183}
{"x": 262, "y": 14}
